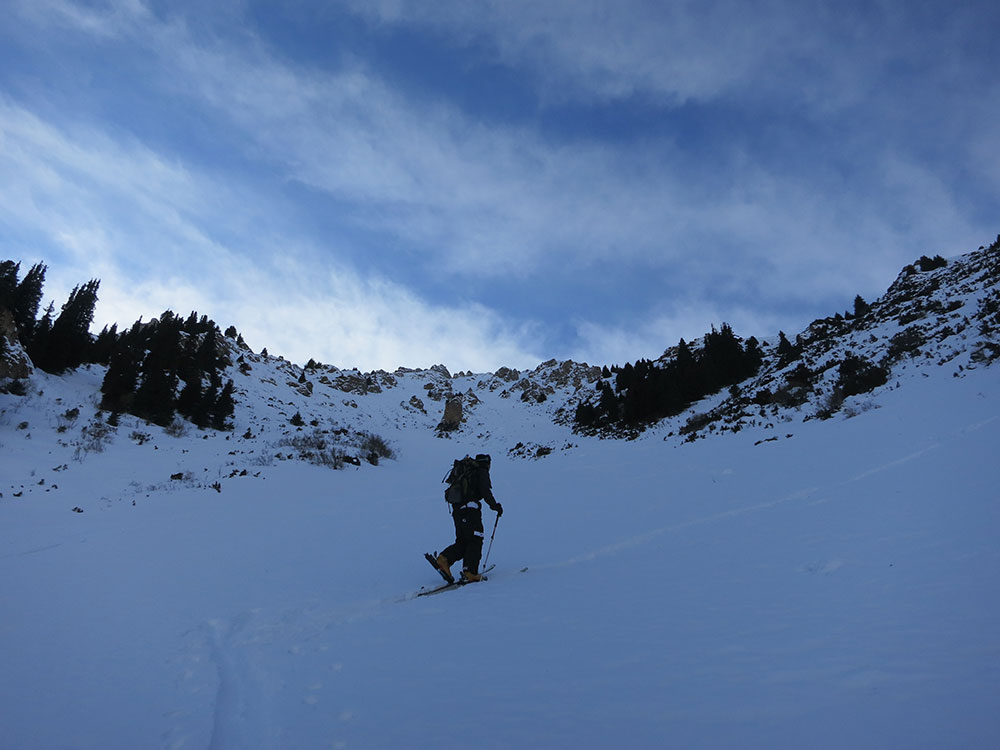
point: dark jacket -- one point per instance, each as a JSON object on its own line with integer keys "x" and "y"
{"x": 484, "y": 488}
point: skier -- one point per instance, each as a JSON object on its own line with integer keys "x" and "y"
{"x": 468, "y": 517}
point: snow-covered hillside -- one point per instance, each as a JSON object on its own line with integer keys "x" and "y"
{"x": 798, "y": 582}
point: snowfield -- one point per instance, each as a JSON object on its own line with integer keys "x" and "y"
{"x": 822, "y": 584}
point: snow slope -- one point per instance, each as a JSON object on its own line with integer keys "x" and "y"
{"x": 835, "y": 587}
{"x": 771, "y": 579}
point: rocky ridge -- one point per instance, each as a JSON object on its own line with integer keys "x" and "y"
{"x": 930, "y": 317}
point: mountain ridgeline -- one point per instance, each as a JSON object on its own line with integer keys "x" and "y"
{"x": 172, "y": 368}
{"x": 935, "y": 312}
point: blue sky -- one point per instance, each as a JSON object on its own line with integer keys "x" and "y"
{"x": 379, "y": 183}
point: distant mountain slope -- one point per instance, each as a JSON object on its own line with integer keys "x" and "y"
{"x": 933, "y": 315}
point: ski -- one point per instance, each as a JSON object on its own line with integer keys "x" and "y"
{"x": 438, "y": 590}
{"x": 451, "y": 585}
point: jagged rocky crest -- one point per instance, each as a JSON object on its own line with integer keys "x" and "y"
{"x": 935, "y": 314}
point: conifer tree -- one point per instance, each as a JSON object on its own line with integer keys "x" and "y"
{"x": 67, "y": 345}
{"x": 104, "y": 345}
{"x": 124, "y": 364}
{"x": 585, "y": 414}
{"x": 189, "y": 402}
{"x": 608, "y": 402}
{"x": 8, "y": 283}
{"x": 27, "y": 298}
{"x": 224, "y": 408}
{"x": 40, "y": 336}
{"x": 210, "y": 357}
{"x": 155, "y": 399}
{"x": 754, "y": 356}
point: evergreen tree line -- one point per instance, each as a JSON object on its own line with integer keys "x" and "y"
{"x": 157, "y": 369}
{"x": 55, "y": 343}
{"x": 170, "y": 366}
{"x": 646, "y": 391}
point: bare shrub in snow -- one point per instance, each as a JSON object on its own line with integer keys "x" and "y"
{"x": 315, "y": 448}
{"x": 373, "y": 447}
{"x": 856, "y": 409}
{"x": 178, "y": 428}
{"x": 96, "y": 436}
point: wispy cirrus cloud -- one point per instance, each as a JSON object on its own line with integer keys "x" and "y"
{"x": 117, "y": 211}
{"x": 803, "y": 192}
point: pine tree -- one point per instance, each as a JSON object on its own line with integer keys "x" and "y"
{"x": 224, "y": 408}
{"x": 38, "y": 346}
{"x": 721, "y": 359}
{"x": 105, "y": 344}
{"x": 624, "y": 378}
{"x": 754, "y": 357}
{"x": 210, "y": 356}
{"x": 586, "y": 414}
{"x": 68, "y": 344}
{"x": 124, "y": 366}
{"x": 8, "y": 283}
{"x": 190, "y": 401}
{"x": 609, "y": 402}
{"x": 27, "y": 297}
{"x": 155, "y": 399}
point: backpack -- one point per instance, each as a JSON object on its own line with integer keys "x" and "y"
{"x": 461, "y": 481}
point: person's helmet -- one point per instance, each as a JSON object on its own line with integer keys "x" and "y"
{"x": 484, "y": 460}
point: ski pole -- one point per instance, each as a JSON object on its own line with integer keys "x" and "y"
{"x": 491, "y": 542}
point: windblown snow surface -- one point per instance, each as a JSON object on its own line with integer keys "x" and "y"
{"x": 835, "y": 586}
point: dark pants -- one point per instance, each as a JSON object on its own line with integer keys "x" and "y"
{"x": 468, "y": 545}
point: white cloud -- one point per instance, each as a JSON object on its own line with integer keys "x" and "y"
{"x": 120, "y": 212}
{"x": 613, "y": 49}
{"x": 503, "y": 200}
{"x": 461, "y": 196}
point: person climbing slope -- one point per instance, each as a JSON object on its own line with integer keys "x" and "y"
{"x": 469, "y": 485}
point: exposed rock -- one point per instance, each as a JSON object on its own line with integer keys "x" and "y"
{"x": 507, "y": 374}
{"x": 305, "y": 388}
{"x": 532, "y": 391}
{"x": 453, "y": 413}
{"x": 568, "y": 373}
{"x": 14, "y": 361}
{"x": 354, "y": 382}
{"x": 438, "y": 391}
{"x": 530, "y": 450}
